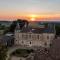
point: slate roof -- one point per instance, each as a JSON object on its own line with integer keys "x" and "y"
{"x": 36, "y": 30}
{"x": 5, "y": 39}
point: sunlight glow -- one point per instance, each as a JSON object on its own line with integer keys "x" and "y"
{"x": 32, "y": 19}
{"x": 33, "y": 16}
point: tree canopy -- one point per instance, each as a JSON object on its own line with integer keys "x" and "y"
{"x": 14, "y": 24}
{"x": 57, "y": 27}
{"x": 3, "y": 50}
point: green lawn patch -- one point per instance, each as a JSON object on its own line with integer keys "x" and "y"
{"x": 22, "y": 52}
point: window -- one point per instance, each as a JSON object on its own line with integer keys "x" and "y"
{"x": 51, "y": 37}
{"x": 38, "y": 37}
{"x": 22, "y": 35}
{"x": 47, "y": 37}
{"x": 22, "y": 42}
{"x": 30, "y": 36}
{"x": 30, "y": 42}
{"x": 33, "y": 36}
{"x": 50, "y": 44}
{"x": 25, "y": 36}
{"x": 45, "y": 44}
{"x": 16, "y": 40}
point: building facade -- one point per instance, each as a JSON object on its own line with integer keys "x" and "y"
{"x": 33, "y": 36}
{"x": 34, "y": 39}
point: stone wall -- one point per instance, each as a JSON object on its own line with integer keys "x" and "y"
{"x": 33, "y": 39}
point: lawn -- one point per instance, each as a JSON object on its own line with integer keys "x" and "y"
{"x": 22, "y": 52}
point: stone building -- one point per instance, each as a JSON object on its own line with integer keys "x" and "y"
{"x": 33, "y": 36}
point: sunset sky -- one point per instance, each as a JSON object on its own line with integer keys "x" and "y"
{"x": 29, "y": 9}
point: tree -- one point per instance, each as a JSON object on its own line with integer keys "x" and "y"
{"x": 2, "y": 27}
{"x": 22, "y": 23}
{"x": 57, "y": 27}
{"x": 46, "y": 25}
{"x": 13, "y": 26}
{"x": 3, "y": 50}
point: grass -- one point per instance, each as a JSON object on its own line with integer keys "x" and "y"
{"x": 22, "y": 52}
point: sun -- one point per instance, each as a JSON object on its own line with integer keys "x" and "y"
{"x": 33, "y": 17}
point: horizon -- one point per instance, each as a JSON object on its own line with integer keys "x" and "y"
{"x": 33, "y": 21}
